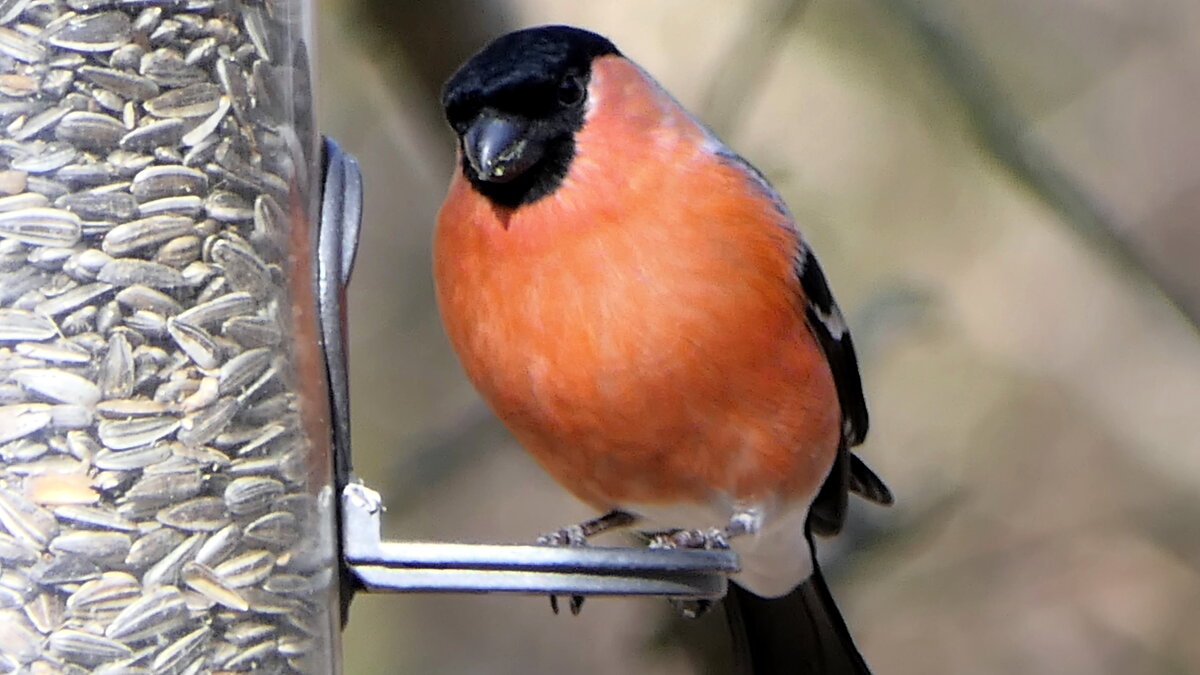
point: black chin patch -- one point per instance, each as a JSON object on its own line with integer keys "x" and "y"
{"x": 528, "y": 74}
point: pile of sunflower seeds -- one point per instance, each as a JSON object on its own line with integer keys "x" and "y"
{"x": 157, "y": 511}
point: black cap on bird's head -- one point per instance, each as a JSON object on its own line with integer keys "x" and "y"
{"x": 516, "y": 106}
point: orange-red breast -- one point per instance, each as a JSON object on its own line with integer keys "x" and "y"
{"x": 636, "y": 304}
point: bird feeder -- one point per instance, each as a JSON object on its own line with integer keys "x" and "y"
{"x": 175, "y": 242}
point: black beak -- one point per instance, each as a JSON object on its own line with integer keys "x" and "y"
{"x": 498, "y": 149}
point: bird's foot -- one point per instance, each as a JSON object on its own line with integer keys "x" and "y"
{"x": 692, "y": 608}
{"x": 576, "y": 536}
{"x": 571, "y": 535}
{"x": 574, "y": 603}
{"x": 710, "y": 539}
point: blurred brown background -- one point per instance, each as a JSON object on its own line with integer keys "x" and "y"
{"x": 1006, "y": 196}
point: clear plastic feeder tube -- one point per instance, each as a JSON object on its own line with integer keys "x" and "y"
{"x": 166, "y": 501}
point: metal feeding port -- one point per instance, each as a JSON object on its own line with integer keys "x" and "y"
{"x": 376, "y": 565}
{"x": 413, "y": 567}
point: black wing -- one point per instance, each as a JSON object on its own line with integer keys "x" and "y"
{"x": 825, "y": 320}
{"x": 849, "y": 473}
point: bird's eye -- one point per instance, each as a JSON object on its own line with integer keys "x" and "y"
{"x": 570, "y": 91}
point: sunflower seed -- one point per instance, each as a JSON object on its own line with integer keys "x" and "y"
{"x": 116, "y": 370}
{"x": 202, "y": 514}
{"x": 127, "y": 163}
{"x": 252, "y": 656}
{"x": 242, "y": 369}
{"x": 11, "y": 9}
{"x": 158, "y": 182}
{"x": 252, "y": 494}
{"x": 73, "y": 299}
{"x": 58, "y": 385}
{"x": 131, "y": 407}
{"x": 20, "y": 324}
{"x": 45, "y": 612}
{"x": 181, "y": 651}
{"x": 36, "y": 124}
{"x": 244, "y": 269}
{"x": 69, "y": 569}
{"x": 14, "y": 551}
{"x": 100, "y": 204}
{"x": 137, "y": 234}
{"x": 87, "y": 649}
{"x": 25, "y": 200}
{"x": 277, "y": 530}
{"x": 180, "y": 251}
{"x": 208, "y": 127}
{"x": 153, "y": 134}
{"x": 130, "y": 433}
{"x": 94, "y": 545}
{"x": 270, "y": 603}
{"x": 166, "y": 488}
{"x": 205, "y": 581}
{"x": 120, "y": 82}
{"x": 196, "y": 342}
{"x": 218, "y": 309}
{"x": 166, "y": 570}
{"x": 167, "y": 68}
{"x": 70, "y": 416}
{"x": 94, "y": 517}
{"x": 130, "y": 271}
{"x": 245, "y": 633}
{"x": 138, "y": 457}
{"x": 22, "y": 420}
{"x": 50, "y": 157}
{"x": 104, "y": 598}
{"x": 148, "y": 20}
{"x": 18, "y": 640}
{"x": 153, "y": 547}
{"x": 143, "y": 297}
{"x": 246, "y": 569}
{"x": 183, "y": 205}
{"x": 228, "y": 207}
{"x": 289, "y": 584}
{"x": 41, "y": 226}
{"x": 194, "y": 100}
{"x": 90, "y": 131}
{"x": 16, "y": 588}
{"x": 157, "y": 613}
{"x": 99, "y": 32}
{"x": 220, "y": 545}
{"x": 203, "y": 395}
{"x": 20, "y": 47}
{"x": 22, "y": 450}
{"x": 25, "y": 520}
{"x": 202, "y": 426}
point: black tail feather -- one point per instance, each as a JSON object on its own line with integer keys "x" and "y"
{"x": 801, "y": 633}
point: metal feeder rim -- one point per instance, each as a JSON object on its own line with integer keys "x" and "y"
{"x": 417, "y": 566}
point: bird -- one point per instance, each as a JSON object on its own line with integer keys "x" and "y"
{"x": 638, "y": 306}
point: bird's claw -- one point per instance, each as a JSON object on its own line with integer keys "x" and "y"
{"x": 707, "y": 540}
{"x": 692, "y": 608}
{"x": 574, "y": 603}
{"x": 571, "y": 535}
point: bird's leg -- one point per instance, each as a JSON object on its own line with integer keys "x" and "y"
{"x": 742, "y": 522}
{"x": 577, "y": 535}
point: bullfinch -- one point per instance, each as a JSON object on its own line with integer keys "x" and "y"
{"x": 638, "y": 306}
